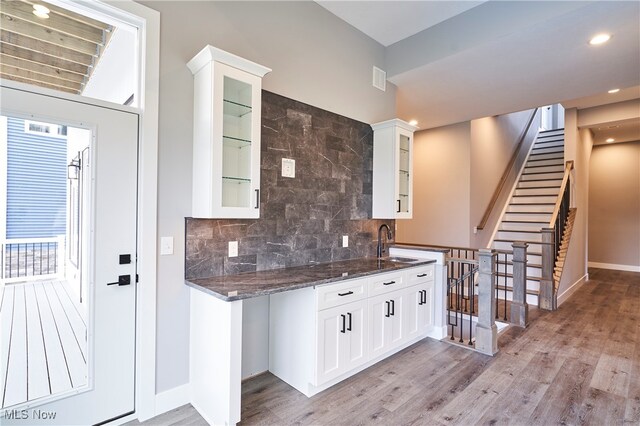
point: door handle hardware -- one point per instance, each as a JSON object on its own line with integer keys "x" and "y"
{"x": 125, "y": 259}
{"x": 122, "y": 280}
{"x": 257, "y": 198}
{"x": 343, "y": 323}
{"x": 421, "y": 275}
{"x": 398, "y": 207}
{"x": 388, "y": 306}
{"x": 420, "y": 302}
{"x": 424, "y": 294}
{"x": 393, "y": 307}
{"x": 345, "y": 294}
{"x": 349, "y": 326}
{"x": 389, "y": 283}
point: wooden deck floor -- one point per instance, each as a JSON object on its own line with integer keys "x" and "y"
{"x": 577, "y": 365}
{"x": 43, "y": 342}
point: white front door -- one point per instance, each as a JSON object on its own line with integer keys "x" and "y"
{"x": 110, "y": 322}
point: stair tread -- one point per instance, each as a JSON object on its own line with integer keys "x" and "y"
{"x": 539, "y": 173}
{"x": 529, "y": 278}
{"x": 518, "y": 231}
{"x": 532, "y": 204}
{"x": 534, "y": 195}
{"x": 510, "y": 288}
{"x": 526, "y": 221}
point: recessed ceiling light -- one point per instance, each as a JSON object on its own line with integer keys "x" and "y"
{"x": 414, "y": 122}
{"x": 613, "y": 91}
{"x": 41, "y": 11}
{"x": 609, "y": 140}
{"x": 599, "y": 39}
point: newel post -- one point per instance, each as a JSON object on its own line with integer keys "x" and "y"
{"x": 519, "y": 306}
{"x": 547, "y": 298}
{"x": 486, "y": 330}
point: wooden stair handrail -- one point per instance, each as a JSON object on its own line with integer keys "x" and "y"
{"x": 505, "y": 175}
{"x": 565, "y": 180}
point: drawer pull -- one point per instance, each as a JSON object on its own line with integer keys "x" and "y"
{"x": 389, "y": 283}
{"x": 343, "y": 323}
{"x": 421, "y": 275}
{"x": 345, "y": 294}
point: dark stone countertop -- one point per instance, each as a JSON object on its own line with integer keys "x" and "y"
{"x": 253, "y": 284}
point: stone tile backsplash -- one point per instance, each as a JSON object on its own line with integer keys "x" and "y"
{"x": 302, "y": 219}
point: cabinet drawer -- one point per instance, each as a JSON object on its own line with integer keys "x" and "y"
{"x": 420, "y": 275}
{"x": 331, "y": 295}
{"x": 380, "y": 284}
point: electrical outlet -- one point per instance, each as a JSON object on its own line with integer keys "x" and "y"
{"x": 166, "y": 246}
{"x": 233, "y": 248}
{"x": 288, "y": 168}
{"x": 345, "y": 241}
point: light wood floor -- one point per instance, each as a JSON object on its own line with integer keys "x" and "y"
{"x": 42, "y": 340}
{"x": 578, "y": 365}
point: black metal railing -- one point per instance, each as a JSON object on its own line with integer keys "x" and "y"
{"x": 501, "y": 280}
{"x": 461, "y": 298}
{"x": 31, "y": 258}
{"x": 561, "y": 220}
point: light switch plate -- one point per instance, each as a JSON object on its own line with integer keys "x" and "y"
{"x": 345, "y": 241}
{"x": 166, "y": 246}
{"x": 233, "y": 248}
{"x": 288, "y": 167}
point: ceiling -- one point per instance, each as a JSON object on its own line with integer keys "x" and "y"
{"x": 59, "y": 52}
{"x": 482, "y": 59}
{"x": 620, "y": 131}
{"x": 390, "y": 21}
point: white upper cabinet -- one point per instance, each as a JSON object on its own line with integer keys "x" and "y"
{"x": 226, "y": 135}
{"x": 393, "y": 169}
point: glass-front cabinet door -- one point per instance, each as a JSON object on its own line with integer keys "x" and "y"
{"x": 227, "y": 121}
{"x": 392, "y": 170}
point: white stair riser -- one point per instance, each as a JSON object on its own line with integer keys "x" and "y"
{"x": 552, "y": 191}
{"x": 545, "y": 169}
{"x": 547, "y": 162}
{"x": 530, "y": 208}
{"x": 538, "y": 217}
{"x": 535, "y": 200}
{"x": 556, "y": 175}
{"x": 559, "y": 156}
{"x": 555, "y": 183}
{"x": 502, "y": 245}
{"x": 522, "y": 226}
{"x": 548, "y": 142}
{"x": 531, "y": 284}
{"x": 547, "y": 150}
{"x": 550, "y": 132}
{"x": 531, "y": 272}
{"x": 518, "y": 236}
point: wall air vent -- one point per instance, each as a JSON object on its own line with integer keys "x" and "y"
{"x": 379, "y": 79}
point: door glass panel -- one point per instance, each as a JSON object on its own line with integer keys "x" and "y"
{"x": 403, "y": 172}
{"x": 43, "y": 308}
{"x": 236, "y": 144}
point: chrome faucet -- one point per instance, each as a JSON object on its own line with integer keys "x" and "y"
{"x": 380, "y": 249}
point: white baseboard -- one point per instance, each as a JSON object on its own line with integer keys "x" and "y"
{"x": 574, "y": 287}
{"x": 172, "y": 398}
{"x": 629, "y": 268}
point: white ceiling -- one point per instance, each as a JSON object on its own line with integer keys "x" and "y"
{"x": 501, "y": 56}
{"x": 390, "y": 21}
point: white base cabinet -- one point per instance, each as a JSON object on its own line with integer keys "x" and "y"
{"x": 320, "y": 336}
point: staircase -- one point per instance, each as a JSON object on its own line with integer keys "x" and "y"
{"x": 530, "y": 209}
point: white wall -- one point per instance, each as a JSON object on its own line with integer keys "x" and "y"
{"x": 316, "y": 58}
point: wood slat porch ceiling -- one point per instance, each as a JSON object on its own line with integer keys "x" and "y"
{"x": 59, "y": 52}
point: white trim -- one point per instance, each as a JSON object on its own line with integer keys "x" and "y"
{"x": 574, "y": 287}
{"x": 615, "y": 266}
{"x": 173, "y": 398}
{"x": 147, "y": 206}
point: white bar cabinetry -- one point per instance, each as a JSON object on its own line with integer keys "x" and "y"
{"x": 320, "y": 336}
